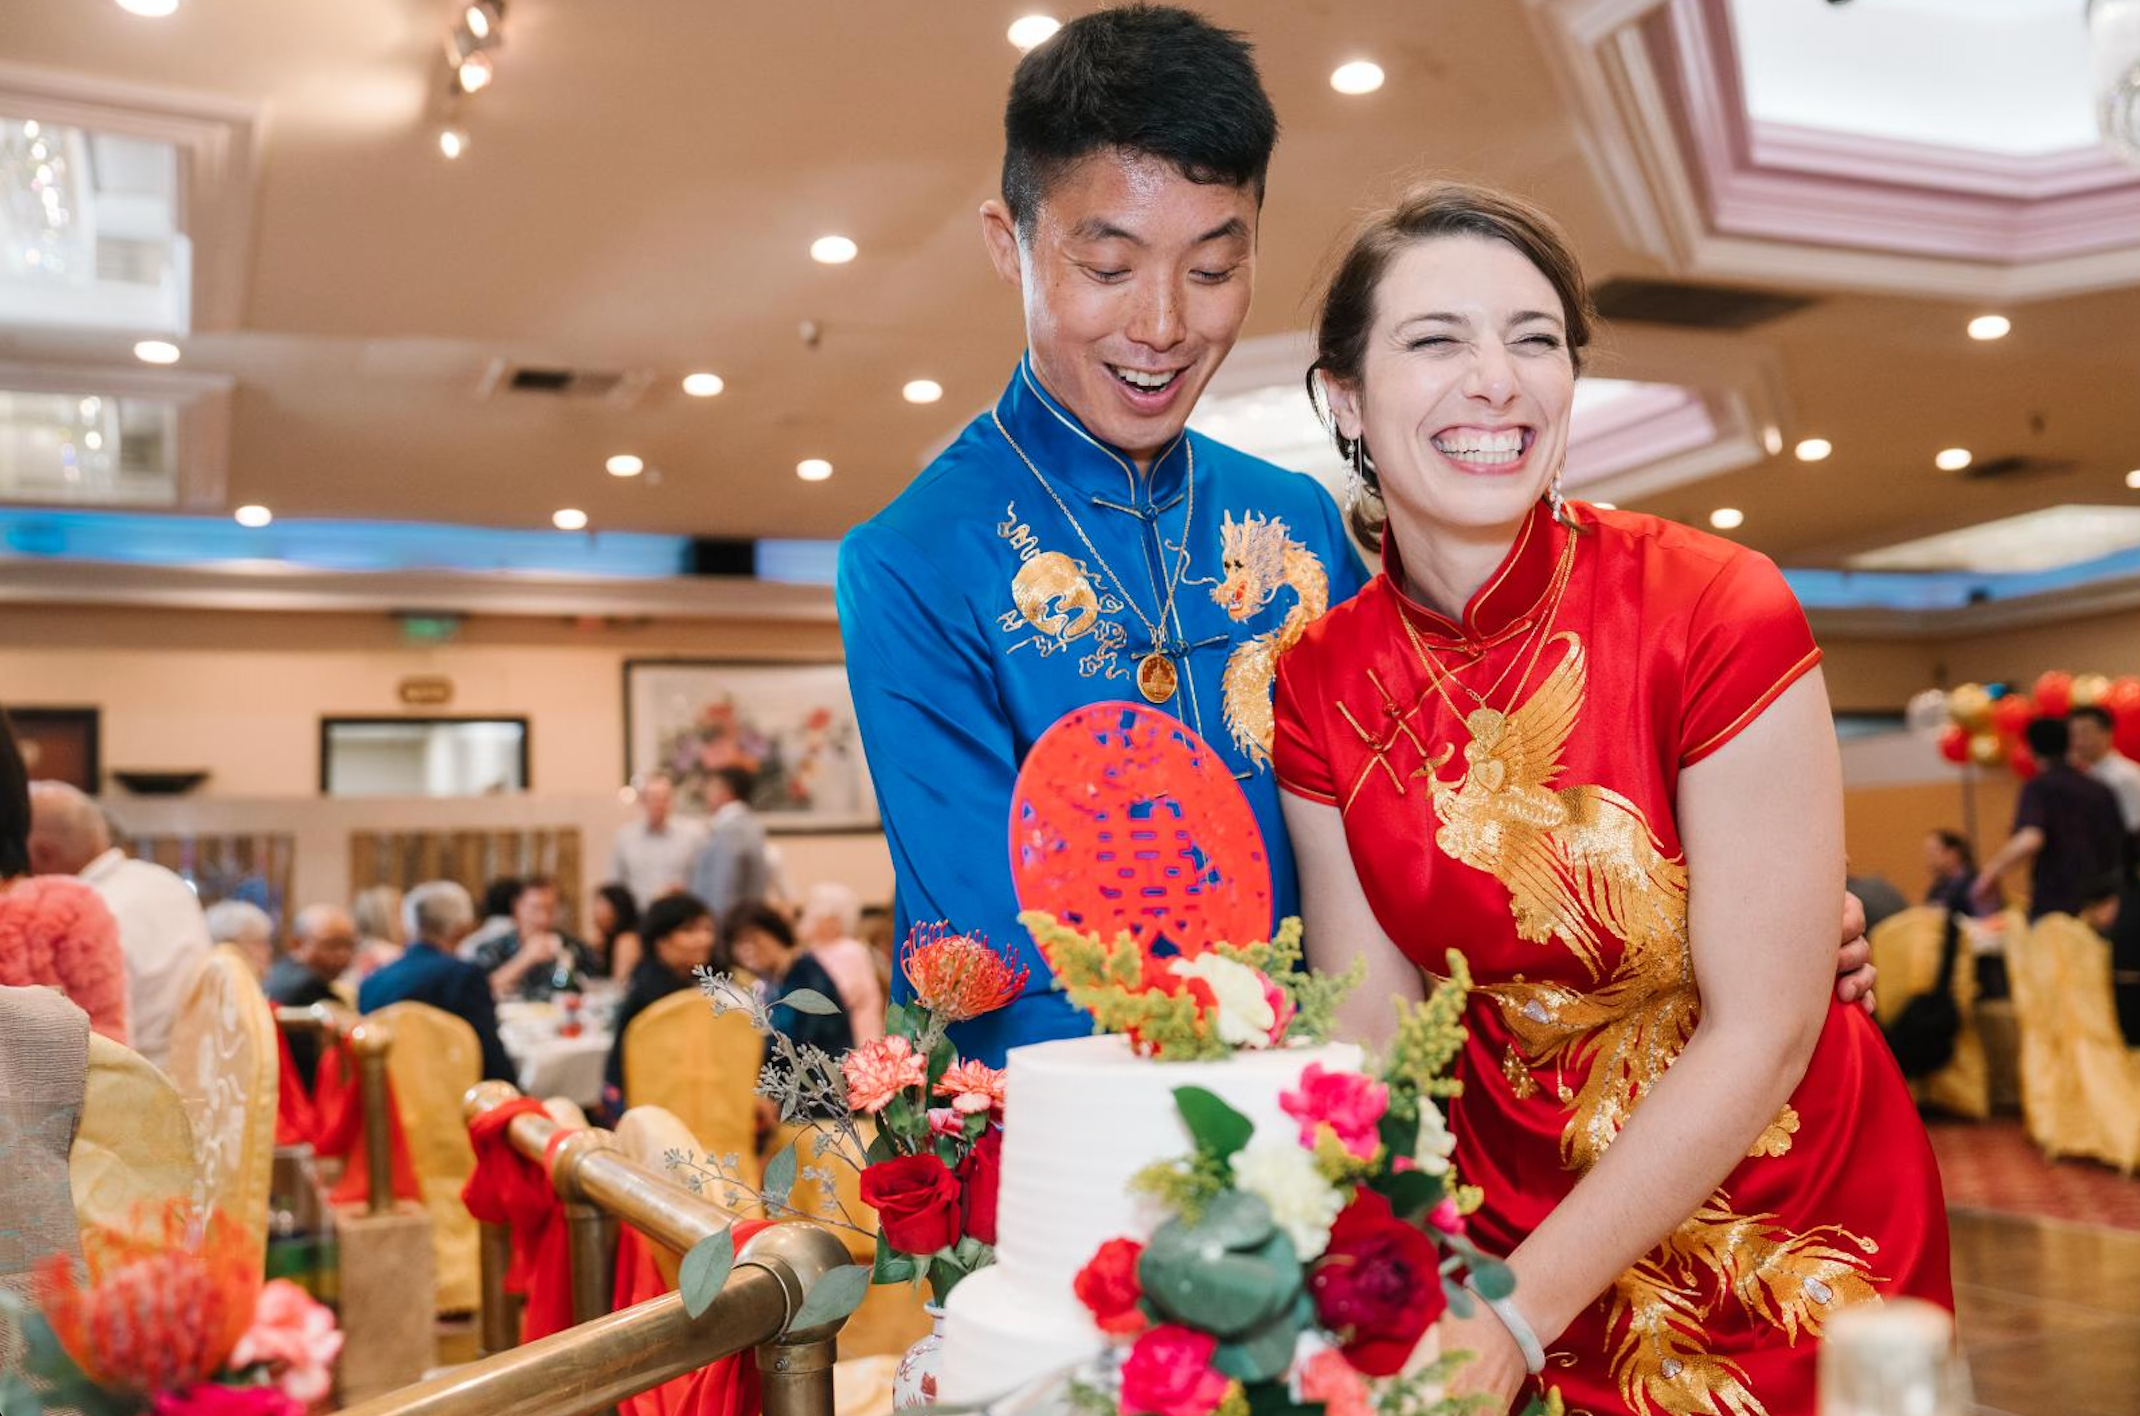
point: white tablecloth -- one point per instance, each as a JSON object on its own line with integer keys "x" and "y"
{"x": 551, "y": 1065}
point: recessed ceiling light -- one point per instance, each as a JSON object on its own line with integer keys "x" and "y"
{"x": 2132, "y": 479}
{"x": 1952, "y": 459}
{"x": 151, "y": 9}
{"x": 452, "y": 142}
{"x": 625, "y": 465}
{"x": 1033, "y": 30}
{"x": 833, "y": 250}
{"x": 703, "y": 385}
{"x": 1772, "y": 439}
{"x": 1813, "y": 449}
{"x": 922, "y": 391}
{"x": 93, "y": 440}
{"x": 813, "y": 469}
{"x": 1727, "y": 518}
{"x": 1989, "y": 327}
{"x": 480, "y": 19}
{"x": 156, "y": 351}
{"x": 1357, "y": 77}
{"x": 569, "y": 518}
{"x": 253, "y": 516}
{"x": 475, "y": 73}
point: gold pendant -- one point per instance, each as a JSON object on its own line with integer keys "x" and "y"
{"x": 1155, "y": 677}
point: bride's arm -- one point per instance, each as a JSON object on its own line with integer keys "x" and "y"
{"x": 1762, "y": 824}
{"x": 1341, "y": 926}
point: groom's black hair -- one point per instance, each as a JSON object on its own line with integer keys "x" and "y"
{"x": 1149, "y": 79}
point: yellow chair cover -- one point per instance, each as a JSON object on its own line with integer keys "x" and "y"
{"x": 565, "y": 1112}
{"x": 434, "y": 1060}
{"x": 704, "y": 1070}
{"x": 134, "y": 1153}
{"x": 2033, "y": 970}
{"x": 650, "y": 1135}
{"x": 1906, "y": 949}
{"x": 2099, "y": 1084}
{"x": 224, "y": 1062}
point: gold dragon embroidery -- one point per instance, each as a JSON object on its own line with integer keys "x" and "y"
{"x": 1260, "y": 559}
{"x": 1054, "y": 597}
{"x": 1580, "y": 862}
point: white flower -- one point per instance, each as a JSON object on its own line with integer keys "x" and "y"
{"x": 1435, "y": 1144}
{"x": 1245, "y": 1016}
{"x": 1302, "y": 1202}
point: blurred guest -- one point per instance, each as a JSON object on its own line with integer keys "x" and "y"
{"x": 651, "y": 856}
{"x": 1952, "y": 862}
{"x": 437, "y": 915}
{"x": 617, "y": 941}
{"x": 2066, "y": 827}
{"x": 1879, "y": 896}
{"x": 377, "y": 912}
{"x": 323, "y": 939}
{"x": 758, "y": 938}
{"x": 880, "y": 931}
{"x": 2102, "y": 901}
{"x": 677, "y": 932}
{"x": 247, "y": 928}
{"x": 730, "y": 868}
{"x": 831, "y": 916}
{"x": 161, "y": 930}
{"x": 55, "y": 931}
{"x": 497, "y": 921}
{"x": 2095, "y": 752}
{"x": 2124, "y": 935}
{"x": 535, "y": 959}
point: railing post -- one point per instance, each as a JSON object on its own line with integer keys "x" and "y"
{"x": 370, "y": 1040}
{"x": 795, "y": 1368}
{"x": 796, "y": 1377}
{"x": 590, "y": 1234}
{"x": 501, "y": 1310}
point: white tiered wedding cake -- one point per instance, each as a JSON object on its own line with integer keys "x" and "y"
{"x": 1082, "y": 1117}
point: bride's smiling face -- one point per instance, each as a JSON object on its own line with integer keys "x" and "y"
{"x": 1465, "y": 386}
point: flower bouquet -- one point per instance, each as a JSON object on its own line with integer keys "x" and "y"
{"x": 922, "y": 1127}
{"x": 170, "y": 1320}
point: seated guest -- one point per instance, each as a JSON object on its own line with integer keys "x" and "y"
{"x": 534, "y": 959}
{"x": 55, "y": 931}
{"x": 497, "y": 921}
{"x": 1953, "y": 863}
{"x": 438, "y": 914}
{"x": 831, "y": 915}
{"x": 678, "y": 935}
{"x": 322, "y": 941}
{"x": 758, "y": 938}
{"x": 377, "y": 913}
{"x": 247, "y": 927}
{"x": 161, "y": 931}
{"x": 617, "y": 937}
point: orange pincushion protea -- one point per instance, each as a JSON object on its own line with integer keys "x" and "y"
{"x": 161, "y": 1310}
{"x": 959, "y": 976}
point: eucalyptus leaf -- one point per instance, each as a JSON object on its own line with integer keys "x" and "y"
{"x": 1262, "y": 1355}
{"x": 833, "y": 1297}
{"x": 808, "y": 1000}
{"x": 1216, "y": 1127}
{"x": 780, "y": 1174}
{"x": 1493, "y": 1280}
{"x": 1459, "y": 1299}
{"x": 705, "y": 1269}
{"x": 18, "y": 1397}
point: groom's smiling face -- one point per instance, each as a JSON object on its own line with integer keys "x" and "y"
{"x": 1136, "y": 282}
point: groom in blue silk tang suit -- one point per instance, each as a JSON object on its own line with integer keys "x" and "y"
{"x": 1075, "y": 544}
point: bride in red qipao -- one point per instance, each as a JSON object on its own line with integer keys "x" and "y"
{"x": 1593, "y": 751}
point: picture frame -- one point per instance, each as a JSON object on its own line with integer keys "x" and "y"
{"x": 61, "y": 744}
{"x": 791, "y": 723}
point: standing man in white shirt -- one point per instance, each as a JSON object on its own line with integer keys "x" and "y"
{"x": 652, "y": 856}
{"x": 162, "y": 931}
{"x": 2094, "y": 752}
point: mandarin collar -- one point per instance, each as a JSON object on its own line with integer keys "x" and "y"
{"x": 1504, "y": 604}
{"x": 1071, "y": 457}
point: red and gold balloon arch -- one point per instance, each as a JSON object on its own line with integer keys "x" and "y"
{"x": 1987, "y": 724}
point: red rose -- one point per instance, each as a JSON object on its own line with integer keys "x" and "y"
{"x": 980, "y": 1174}
{"x": 916, "y": 1198}
{"x": 1169, "y": 1373}
{"x": 1377, "y": 1286}
{"x": 1108, "y": 1286}
{"x": 209, "y": 1399}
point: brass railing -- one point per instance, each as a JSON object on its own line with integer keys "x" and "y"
{"x": 370, "y": 1040}
{"x": 608, "y": 1357}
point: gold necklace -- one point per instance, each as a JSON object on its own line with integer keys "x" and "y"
{"x": 1156, "y": 674}
{"x": 1439, "y": 675}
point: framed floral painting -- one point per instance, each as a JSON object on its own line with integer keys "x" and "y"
{"x": 791, "y": 725}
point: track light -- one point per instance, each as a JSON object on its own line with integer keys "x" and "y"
{"x": 484, "y": 18}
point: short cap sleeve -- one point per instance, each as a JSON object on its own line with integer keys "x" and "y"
{"x": 1748, "y": 641}
{"x": 1298, "y": 755}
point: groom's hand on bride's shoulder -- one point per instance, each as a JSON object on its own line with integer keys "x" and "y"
{"x": 1854, "y": 973}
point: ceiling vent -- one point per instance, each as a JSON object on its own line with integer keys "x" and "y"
{"x": 2003, "y": 467}
{"x": 618, "y": 388}
{"x": 1690, "y": 306}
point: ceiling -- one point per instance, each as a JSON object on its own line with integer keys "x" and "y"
{"x": 644, "y": 181}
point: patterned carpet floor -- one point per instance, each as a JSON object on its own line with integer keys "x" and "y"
{"x": 1991, "y": 1165}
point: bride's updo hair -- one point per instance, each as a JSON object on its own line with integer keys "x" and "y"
{"x": 1346, "y": 315}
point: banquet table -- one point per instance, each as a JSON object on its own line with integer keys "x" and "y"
{"x": 549, "y": 1063}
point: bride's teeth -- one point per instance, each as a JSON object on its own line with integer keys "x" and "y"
{"x": 1492, "y": 448}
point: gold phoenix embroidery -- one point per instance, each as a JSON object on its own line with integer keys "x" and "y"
{"x": 1261, "y": 558}
{"x": 1578, "y": 860}
{"x": 1055, "y": 597}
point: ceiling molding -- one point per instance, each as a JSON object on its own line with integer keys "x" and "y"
{"x": 2104, "y": 597}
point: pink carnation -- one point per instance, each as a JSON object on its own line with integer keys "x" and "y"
{"x": 1281, "y": 1010}
{"x": 879, "y": 1070}
{"x": 973, "y": 1086}
{"x": 1447, "y": 1217}
{"x": 294, "y": 1337}
{"x": 1329, "y": 1381}
{"x": 1169, "y": 1373}
{"x": 944, "y": 1121}
{"x": 1350, "y": 1104}
{"x": 207, "y": 1399}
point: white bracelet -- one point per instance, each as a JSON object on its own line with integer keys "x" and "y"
{"x": 1534, "y": 1352}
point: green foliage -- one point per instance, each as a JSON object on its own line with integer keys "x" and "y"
{"x": 809, "y": 1000}
{"x": 1183, "y": 1186}
{"x": 838, "y": 1293}
{"x": 780, "y": 1176}
{"x": 1419, "y": 1394}
{"x": 705, "y": 1269}
{"x": 1230, "y": 1272}
{"x": 1493, "y": 1279}
{"x": 1429, "y": 1036}
{"x": 891, "y": 1266}
{"x": 1216, "y": 1128}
